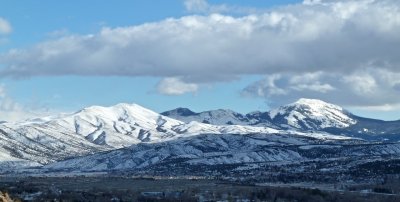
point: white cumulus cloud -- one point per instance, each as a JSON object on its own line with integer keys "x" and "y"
{"x": 369, "y": 89}
{"x": 175, "y": 86}
{"x": 335, "y": 47}
{"x": 298, "y": 38}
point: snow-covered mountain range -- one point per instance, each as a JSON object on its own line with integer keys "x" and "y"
{"x": 96, "y": 129}
{"x": 128, "y": 136}
{"x": 302, "y": 115}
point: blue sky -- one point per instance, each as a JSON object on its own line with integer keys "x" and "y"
{"x": 44, "y": 51}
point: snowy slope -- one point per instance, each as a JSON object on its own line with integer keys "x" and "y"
{"x": 8, "y": 162}
{"x": 204, "y": 152}
{"x": 208, "y": 149}
{"x": 311, "y": 114}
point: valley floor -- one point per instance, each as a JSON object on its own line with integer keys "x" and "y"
{"x": 152, "y": 189}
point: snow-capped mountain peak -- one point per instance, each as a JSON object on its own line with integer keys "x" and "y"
{"x": 118, "y": 110}
{"x": 317, "y": 107}
{"x": 119, "y": 125}
{"x": 317, "y": 104}
{"x": 312, "y": 114}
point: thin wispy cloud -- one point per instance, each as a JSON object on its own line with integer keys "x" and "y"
{"x": 5, "y": 26}
{"x": 204, "y": 7}
{"x": 11, "y": 110}
{"x": 196, "y": 5}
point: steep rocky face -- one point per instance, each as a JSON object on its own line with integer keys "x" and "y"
{"x": 179, "y": 112}
{"x": 215, "y": 117}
